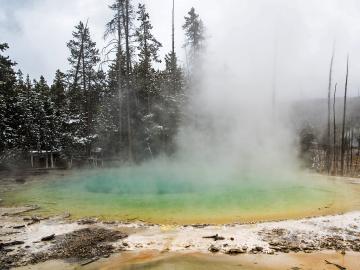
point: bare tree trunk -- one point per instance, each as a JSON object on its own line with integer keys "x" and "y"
{"x": 173, "y": 30}
{"x": 89, "y": 114}
{"x": 128, "y": 65}
{"x": 328, "y": 147}
{"x": 334, "y": 143}
{"x": 146, "y": 60}
{"x": 358, "y": 139}
{"x": 119, "y": 67}
{"x": 347, "y": 151}
{"x": 344, "y": 118}
{"x": 52, "y": 160}
{"x": 351, "y": 149}
{"x": 358, "y": 152}
{"x": 46, "y": 160}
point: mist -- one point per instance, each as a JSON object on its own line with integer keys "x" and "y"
{"x": 155, "y": 134}
{"x": 253, "y": 50}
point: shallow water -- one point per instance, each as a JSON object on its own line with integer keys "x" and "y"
{"x": 155, "y": 261}
{"x": 314, "y": 261}
{"x": 174, "y": 195}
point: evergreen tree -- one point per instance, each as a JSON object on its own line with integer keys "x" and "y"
{"x": 60, "y": 116}
{"x": 58, "y": 89}
{"x": 111, "y": 115}
{"x": 194, "y": 31}
{"x": 30, "y": 103}
{"x": 147, "y": 87}
{"x": 121, "y": 99}
{"x": 43, "y": 112}
{"x": 26, "y": 118}
{"x": 172, "y": 89}
{"x": 173, "y": 96}
{"x": 113, "y": 101}
{"x": 133, "y": 111}
{"x": 84, "y": 56}
{"x": 148, "y": 48}
{"x": 194, "y": 39}
{"x": 8, "y": 102}
{"x": 194, "y": 43}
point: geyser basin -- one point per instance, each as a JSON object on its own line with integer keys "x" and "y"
{"x": 175, "y": 195}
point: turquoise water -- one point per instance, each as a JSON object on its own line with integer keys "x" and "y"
{"x": 174, "y": 195}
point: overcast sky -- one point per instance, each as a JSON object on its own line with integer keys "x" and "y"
{"x": 244, "y": 36}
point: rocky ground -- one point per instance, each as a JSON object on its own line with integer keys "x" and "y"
{"x": 27, "y": 239}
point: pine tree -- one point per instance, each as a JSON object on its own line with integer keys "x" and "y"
{"x": 194, "y": 46}
{"x": 113, "y": 102}
{"x": 25, "y": 111}
{"x": 121, "y": 99}
{"x": 194, "y": 33}
{"x": 147, "y": 88}
{"x": 43, "y": 111}
{"x": 61, "y": 112}
{"x": 173, "y": 97}
{"x": 58, "y": 89}
{"x": 30, "y": 103}
{"x": 84, "y": 56}
{"x": 172, "y": 85}
{"x": 121, "y": 80}
{"x": 8, "y": 102}
{"x": 133, "y": 111}
{"x": 148, "y": 48}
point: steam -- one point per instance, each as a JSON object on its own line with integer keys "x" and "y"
{"x": 232, "y": 122}
{"x": 254, "y": 48}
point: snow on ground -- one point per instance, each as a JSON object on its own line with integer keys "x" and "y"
{"x": 339, "y": 232}
{"x": 249, "y": 237}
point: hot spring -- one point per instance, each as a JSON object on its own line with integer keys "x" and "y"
{"x": 177, "y": 195}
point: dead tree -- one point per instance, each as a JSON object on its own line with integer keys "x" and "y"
{"x": 344, "y": 119}
{"x": 334, "y": 143}
{"x": 347, "y": 151}
{"x": 173, "y": 30}
{"x": 119, "y": 64}
{"x": 351, "y": 149}
{"x": 328, "y": 146}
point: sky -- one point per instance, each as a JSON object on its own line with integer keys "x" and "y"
{"x": 254, "y": 43}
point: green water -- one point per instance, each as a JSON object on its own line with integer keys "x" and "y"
{"x": 172, "y": 194}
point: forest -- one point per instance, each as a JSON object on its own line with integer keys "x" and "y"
{"x": 113, "y": 102}
{"x": 123, "y": 104}
{"x": 194, "y": 135}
